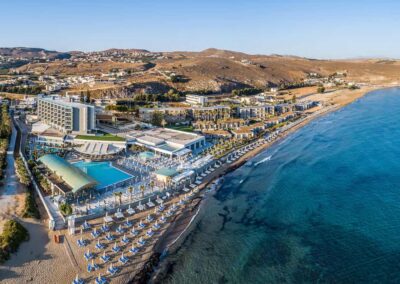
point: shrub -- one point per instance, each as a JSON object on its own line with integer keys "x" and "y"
{"x": 65, "y": 209}
{"x": 321, "y": 90}
{"x": 30, "y": 208}
{"x": 13, "y": 235}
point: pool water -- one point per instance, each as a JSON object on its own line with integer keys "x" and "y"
{"x": 103, "y": 172}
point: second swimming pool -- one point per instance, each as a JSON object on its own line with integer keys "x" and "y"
{"x": 103, "y": 172}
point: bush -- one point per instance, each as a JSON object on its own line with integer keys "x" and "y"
{"x": 65, "y": 209}
{"x": 22, "y": 173}
{"x": 13, "y": 235}
{"x": 30, "y": 208}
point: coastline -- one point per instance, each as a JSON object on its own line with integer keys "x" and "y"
{"x": 146, "y": 269}
{"x": 180, "y": 228}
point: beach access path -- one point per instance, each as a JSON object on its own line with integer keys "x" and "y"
{"x": 11, "y": 191}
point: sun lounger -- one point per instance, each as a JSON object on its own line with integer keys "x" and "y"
{"x": 110, "y": 237}
{"x": 92, "y": 267}
{"x": 128, "y": 224}
{"x": 81, "y": 242}
{"x": 120, "y": 230}
{"x": 78, "y": 280}
{"x": 142, "y": 225}
{"x": 125, "y": 240}
{"x": 112, "y": 270}
{"x": 141, "y": 242}
{"x": 123, "y": 259}
{"x": 150, "y": 233}
{"x": 130, "y": 211}
{"x": 150, "y": 204}
{"x": 133, "y": 249}
{"x": 156, "y": 226}
{"x": 134, "y": 232}
{"x": 119, "y": 215}
{"x": 95, "y": 234}
{"x": 105, "y": 258}
{"x": 116, "y": 248}
{"x": 86, "y": 225}
{"x": 100, "y": 246}
{"x": 88, "y": 255}
{"x": 100, "y": 280}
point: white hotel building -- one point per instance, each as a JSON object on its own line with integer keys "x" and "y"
{"x": 66, "y": 117}
{"x": 196, "y": 100}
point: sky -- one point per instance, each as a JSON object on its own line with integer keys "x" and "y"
{"x": 309, "y": 28}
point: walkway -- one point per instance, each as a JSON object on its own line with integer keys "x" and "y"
{"x": 11, "y": 192}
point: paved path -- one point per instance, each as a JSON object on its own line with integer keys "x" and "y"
{"x": 11, "y": 188}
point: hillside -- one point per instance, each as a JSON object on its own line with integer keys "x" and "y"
{"x": 29, "y": 53}
{"x": 218, "y": 71}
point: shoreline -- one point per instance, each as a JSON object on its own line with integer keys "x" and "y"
{"x": 164, "y": 247}
{"x": 148, "y": 267}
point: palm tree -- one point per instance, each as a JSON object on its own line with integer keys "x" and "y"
{"x": 142, "y": 188}
{"x": 130, "y": 190}
{"x": 151, "y": 185}
{"x": 119, "y": 195}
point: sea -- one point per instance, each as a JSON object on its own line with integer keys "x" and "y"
{"x": 320, "y": 206}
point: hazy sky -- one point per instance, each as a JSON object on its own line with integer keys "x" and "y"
{"x": 311, "y": 28}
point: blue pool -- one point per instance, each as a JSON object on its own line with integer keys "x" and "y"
{"x": 103, "y": 172}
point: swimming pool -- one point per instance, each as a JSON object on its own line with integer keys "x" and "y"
{"x": 103, "y": 172}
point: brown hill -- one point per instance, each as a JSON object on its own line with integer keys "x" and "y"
{"x": 222, "y": 71}
{"x": 29, "y": 52}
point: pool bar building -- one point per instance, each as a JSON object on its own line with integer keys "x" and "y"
{"x": 66, "y": 178}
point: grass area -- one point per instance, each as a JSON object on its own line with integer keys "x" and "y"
{"x": 104, "y": 137}
{"x": 13, "y": 235}
{"x": 186, "y": 128}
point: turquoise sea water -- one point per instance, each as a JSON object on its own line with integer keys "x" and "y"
{"x": 325, "y": 208}
{"x": 103, "y": 172}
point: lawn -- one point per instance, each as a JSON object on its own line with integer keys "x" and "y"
{"x": 105, "y": 137}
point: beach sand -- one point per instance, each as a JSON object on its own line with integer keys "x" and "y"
{"x": 41, "y": 260}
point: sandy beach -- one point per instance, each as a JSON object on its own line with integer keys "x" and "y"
{"x": 41, "y": 260}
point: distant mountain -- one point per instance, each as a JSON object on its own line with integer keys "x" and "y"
{"x": 29, "y": 53}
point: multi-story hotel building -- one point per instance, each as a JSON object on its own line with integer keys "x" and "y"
{"x": 65, "y": 116}
{"x": 211, "y": 113}
{"x": 196, "y": 100}
{"x": 261, "y": 112}
{"x": 170, "y": 114}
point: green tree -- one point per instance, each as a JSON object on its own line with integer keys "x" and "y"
{"x": 157, "y": 118}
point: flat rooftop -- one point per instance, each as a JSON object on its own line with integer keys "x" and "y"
{"x": 64, "y": 102}
{"x": 159, "y": 135}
